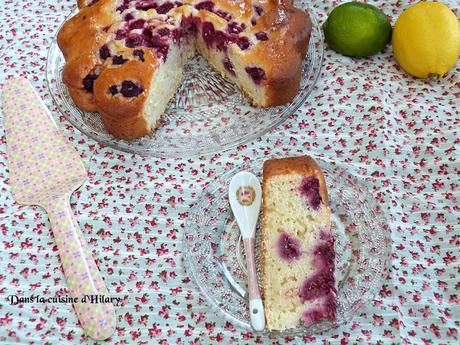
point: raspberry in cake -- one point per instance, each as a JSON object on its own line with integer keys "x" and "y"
{"x": 144, "y": 45}
{"x": 298, "y": 246}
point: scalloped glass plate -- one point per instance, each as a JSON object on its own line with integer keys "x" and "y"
{"x": 214, "y": 255}
{"x": 207, "y": 115}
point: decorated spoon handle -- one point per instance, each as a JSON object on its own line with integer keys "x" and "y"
{"x": 90, "y": 296}
{"x": 256, "y": 307}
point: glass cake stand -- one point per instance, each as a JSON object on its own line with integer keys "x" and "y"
{"x": 208, "y": 113}
{"x": 214, "y": 255}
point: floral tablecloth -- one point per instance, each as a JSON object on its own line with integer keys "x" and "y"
{"x": 399, "y": 134}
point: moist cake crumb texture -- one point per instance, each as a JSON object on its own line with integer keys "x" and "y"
{"x": 298, "y": 247}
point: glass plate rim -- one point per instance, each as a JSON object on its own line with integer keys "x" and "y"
{"x": 189, "y": 263}
{"x": 123, "y": 146}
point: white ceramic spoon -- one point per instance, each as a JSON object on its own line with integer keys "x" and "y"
{"x": 245, "y": 197}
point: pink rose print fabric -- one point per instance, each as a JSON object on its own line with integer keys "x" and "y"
{"x": 399, "y": 134}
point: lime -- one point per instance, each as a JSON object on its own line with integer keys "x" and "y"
{"x": 357, "y": 29}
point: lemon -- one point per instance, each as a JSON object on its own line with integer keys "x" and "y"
{"x": 357, "y": 29}
{"x": 426, "y": 40}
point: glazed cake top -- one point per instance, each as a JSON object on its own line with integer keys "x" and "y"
{"x": 268, "y": 34}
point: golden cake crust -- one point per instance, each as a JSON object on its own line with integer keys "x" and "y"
{"x": 82, "y": 36}
{"x": 122, "y": 115}
{"x": 282, "y": 56}
{"x": 79, "y": 40}
{"x": 303, "y": 165}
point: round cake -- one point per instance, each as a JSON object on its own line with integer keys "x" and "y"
{"x": 125, "y": 58}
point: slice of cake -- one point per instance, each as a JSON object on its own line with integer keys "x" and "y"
{"x": 125, "y": 58}
{"x": 298, "y": 246}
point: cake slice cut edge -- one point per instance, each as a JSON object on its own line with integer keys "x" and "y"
{"x": 298, "y": 253}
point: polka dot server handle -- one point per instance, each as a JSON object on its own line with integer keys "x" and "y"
{"x": 44, "y": 169}
{"x": 91, "y": 299}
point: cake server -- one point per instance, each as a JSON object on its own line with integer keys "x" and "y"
{"x": 245, "y": 195}
{"x": 45, "y": 169}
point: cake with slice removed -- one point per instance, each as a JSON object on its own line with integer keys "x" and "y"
{"x": 298, "y": 246}
{"x": 125, "y": 58}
